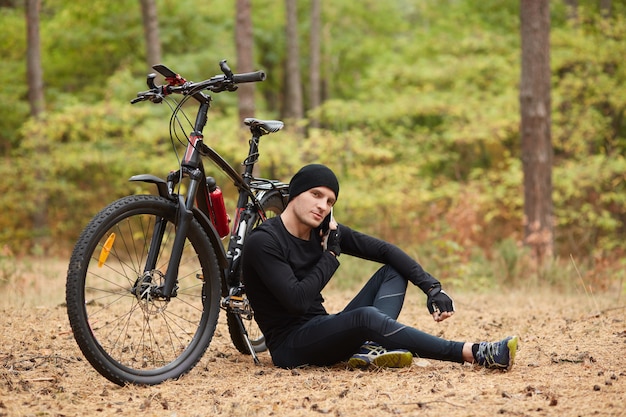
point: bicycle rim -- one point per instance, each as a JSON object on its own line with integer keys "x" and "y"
{"x": 127, "y": 335}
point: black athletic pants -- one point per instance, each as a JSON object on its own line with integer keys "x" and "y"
{"x": 370, "y": 316}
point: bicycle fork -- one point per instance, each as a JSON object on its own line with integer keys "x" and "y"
{"x": 184, "y": 217}
{"x": 190, "y": 165}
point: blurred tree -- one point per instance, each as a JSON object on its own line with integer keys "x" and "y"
{"x": 605, "y": 7}
{"x": 315, "y": 92}
{"x": 150, "y": 18}
{"x": 535, "y": 107}
{"x": 37, "y": 104}
{"x": 572, "y": 9}
{"x": 33, "y": 59}
{"x": 244, "y": 44}
{"x": 293, "y": 108}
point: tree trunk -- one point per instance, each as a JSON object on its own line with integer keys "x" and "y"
{"x": 535, "y": 128}
{"x": 293, "y": 110}
{"x": 315, "y": 98}
{"x": 244, "y": 45}
{"x": 37, "y": 104}
{"x": 572, "y": 9}
{"x": 150, "y": 15}
{"x": 33, "y": 59}
{"x": 605, "y": 8}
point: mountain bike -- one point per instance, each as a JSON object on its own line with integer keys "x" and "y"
{"x": 149, "y": 274}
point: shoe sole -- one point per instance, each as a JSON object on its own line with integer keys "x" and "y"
{"x": 356, "y": 362}
{"x": 386, "y": 360}
{"x": 394, "y": 360}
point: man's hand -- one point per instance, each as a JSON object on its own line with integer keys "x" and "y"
{"x": 439, "y": 304}
{"x": 332, "y": 239}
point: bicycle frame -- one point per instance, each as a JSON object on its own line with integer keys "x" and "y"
{"x": 196, "y": 201}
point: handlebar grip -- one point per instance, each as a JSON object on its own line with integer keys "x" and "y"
{"x": 249, "y": 77}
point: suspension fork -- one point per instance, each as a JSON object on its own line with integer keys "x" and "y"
{"x": 165, "y": 190}
{"x": 191, "y": 163}
{"x": 183, "y": 220}
{"x": 155, "y": 245}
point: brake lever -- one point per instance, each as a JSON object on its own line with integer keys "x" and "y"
{"x": 155, "y": 95}
{"x": 157, "y": 98}
{"x": 149, "y": 95}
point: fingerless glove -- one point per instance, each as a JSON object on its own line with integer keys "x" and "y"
{"x": 439, "y": 300}
{"x": 333, "y": 242}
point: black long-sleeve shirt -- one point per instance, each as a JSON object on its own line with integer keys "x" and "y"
{"x": 284, "y": 275}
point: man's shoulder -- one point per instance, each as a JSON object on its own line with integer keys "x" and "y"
{"x": 267, "y": 237}
{"x": 271, "y": 227}
{"x": 271, "y": 224}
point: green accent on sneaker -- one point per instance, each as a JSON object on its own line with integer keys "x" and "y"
{"x": 373, "y": 354}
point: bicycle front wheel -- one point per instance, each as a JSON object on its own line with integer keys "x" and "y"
{"x": 126, "y": 331}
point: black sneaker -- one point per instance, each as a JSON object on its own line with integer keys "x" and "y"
{"x": 497, "y": 355}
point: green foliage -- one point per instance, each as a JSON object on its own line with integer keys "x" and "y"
{"x": 13, "y": 108}
{"x": 590, "y": 204}
{"x": 590, "y": 83}
{"x": 420, "y": 121}
{"x": 189, "y": 27}
{"x": 76, "y": 161}
{"x": 83, "y": 43}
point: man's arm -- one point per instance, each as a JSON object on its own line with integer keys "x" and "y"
{"x": 265, "y": 255}
{"x": 439, "y": 304}
{"x": 361, "y": 245}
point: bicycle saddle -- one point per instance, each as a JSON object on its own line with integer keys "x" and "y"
{"x": 265, "y": 126}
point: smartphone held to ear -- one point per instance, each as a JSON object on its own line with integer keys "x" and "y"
{"x": 325, "y": 226}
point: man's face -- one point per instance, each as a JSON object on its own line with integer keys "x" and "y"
{"x": 312, "y": 206}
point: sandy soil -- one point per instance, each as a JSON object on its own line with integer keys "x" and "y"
{"x": 571, "y": 362}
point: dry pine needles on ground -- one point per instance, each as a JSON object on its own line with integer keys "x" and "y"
{"x": 571, "y": 363}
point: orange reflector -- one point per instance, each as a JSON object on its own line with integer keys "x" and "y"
{"x": 106, "y": 249}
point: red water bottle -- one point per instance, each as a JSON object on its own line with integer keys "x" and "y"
{"x": 219, "y": 218}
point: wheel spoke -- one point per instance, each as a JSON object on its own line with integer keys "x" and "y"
{"x": 128, "y": 331}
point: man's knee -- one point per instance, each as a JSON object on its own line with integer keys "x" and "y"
{"x": 368, "y": 316}
{"x": 373, "y": 323}
{"x": 389, "y": 273}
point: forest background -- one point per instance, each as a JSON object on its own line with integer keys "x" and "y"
{"x": 420, "y": 119}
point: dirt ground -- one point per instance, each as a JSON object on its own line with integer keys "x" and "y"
{"x": 571, "y": 362}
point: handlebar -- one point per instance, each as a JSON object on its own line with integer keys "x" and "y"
{"x": 178, "y": 85}
{"x": 249, "y": 77}
{"x": 245, "y": 77}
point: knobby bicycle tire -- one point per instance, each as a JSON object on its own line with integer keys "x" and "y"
{"x": 273, "y": 205}
{"x": 127, "y": 335}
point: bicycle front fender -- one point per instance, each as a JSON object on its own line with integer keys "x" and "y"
{"x": 160, "y": 183}
{"x": 214, "y": 237}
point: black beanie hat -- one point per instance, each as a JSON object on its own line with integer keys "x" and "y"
{"x": 311, "y": 176}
